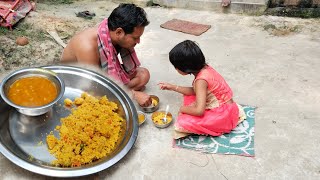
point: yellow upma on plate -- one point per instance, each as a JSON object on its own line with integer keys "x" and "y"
{"x": 89, "y": 133}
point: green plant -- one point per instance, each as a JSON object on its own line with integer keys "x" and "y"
{"x": 23, "y": 29}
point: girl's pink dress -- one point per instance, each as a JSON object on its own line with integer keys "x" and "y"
{"x": 219, "y": 117}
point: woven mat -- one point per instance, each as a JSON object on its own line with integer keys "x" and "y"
{"x": 239, "y": 141}
{"x": 186, "y": 27}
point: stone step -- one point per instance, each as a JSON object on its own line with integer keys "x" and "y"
{"x": 238, "y": 6}
{"x": 255, "y": 7}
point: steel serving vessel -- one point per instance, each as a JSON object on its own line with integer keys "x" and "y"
{"x": 31, "y": 72}
{"x": 166, "y": 124}
{"x": 23, "y": 138}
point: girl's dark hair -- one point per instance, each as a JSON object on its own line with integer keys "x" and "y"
{"x": 187, "y": 57}
{"x": 127, "y": 17}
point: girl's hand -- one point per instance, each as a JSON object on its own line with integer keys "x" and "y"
{"x": 166, "y": 86}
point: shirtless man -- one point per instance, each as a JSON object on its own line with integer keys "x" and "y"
{"x": 111, "y": 47}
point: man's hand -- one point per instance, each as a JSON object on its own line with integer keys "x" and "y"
{"x": 142, "y": 98}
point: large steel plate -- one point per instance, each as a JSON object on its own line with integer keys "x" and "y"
{"x": 23, "y": 138}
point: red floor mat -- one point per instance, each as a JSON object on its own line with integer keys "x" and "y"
{"x": 185, "y": 27}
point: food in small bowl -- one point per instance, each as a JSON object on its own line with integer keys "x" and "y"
{"x": 154, "y": 105}
{"x": 157, "y": 119}
{"x": 141, "y": 117}
{"x": 32, "y": 91}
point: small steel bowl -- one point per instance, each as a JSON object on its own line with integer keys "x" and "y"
{"x": 140, "y": 115}
{"x": 30, "y": 72}
{"x": 153, "y": 107}
{"x": 160, "y": 124}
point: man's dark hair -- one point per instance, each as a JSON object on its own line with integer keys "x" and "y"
{"x": 127, "y": 17}
{"x": 187, "y": 57}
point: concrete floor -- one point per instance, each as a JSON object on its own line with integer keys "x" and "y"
{"x": 277, "y": 74}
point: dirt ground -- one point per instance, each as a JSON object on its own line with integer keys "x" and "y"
{"x": 44, "y": 50}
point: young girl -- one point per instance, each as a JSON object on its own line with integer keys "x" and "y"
{"x": 208, "y": 105}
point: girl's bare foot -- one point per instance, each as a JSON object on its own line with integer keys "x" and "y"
{"x": 225, "y": 3}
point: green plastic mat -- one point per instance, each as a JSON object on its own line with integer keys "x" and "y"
{"x": 240, "y": 141}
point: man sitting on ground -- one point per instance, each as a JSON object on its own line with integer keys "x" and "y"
{"x": 111, "y": 46}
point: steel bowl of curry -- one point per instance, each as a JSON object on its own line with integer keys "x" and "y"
{"x": 32, "y": 91}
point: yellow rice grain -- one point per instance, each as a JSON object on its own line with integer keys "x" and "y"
{"x": 78, "y": 101}
{"x": 154, "y": 102}
{"x": 68, "y": 102}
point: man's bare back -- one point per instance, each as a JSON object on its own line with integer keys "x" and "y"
{"x": 83, "y": 47}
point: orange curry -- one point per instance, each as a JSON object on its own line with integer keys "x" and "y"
{"x": 32, "y": 91}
